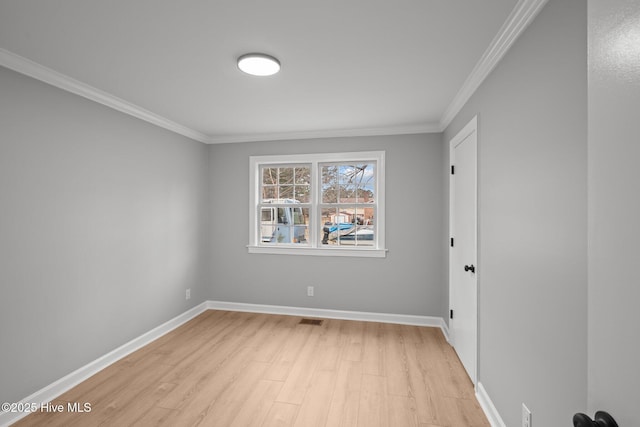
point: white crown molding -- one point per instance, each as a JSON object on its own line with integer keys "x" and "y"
{"x": 40, "y": 72}
{"x": 522, "y": 15}
{"x": 55, "y": 389}
{"x": 283, "y": 136}
{"x": 37, "y": 71}
{"x": 488, "y": 407}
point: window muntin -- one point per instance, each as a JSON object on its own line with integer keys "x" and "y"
{"x": 348, "y": 182}
{"x": 324, "y": 204}
{"x": 286, "y": 182}
{"x": 348, "y": 203}
{"x": 284, "y": 204}
{"x": 348, "y": 225}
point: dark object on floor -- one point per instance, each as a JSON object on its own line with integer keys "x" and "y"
{"x": 315, "y": 322}
{"x": 602, "y": 419}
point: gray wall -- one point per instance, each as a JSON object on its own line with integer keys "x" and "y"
{"x": 102, "y": 215}
{"x": 408, "y": 281}
{"x": 532, "y": 166}
{"x": 614, "y": 209}
{"x": 101, "y": 231}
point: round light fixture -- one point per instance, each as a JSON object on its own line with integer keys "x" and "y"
{"x": 258, "y": 64}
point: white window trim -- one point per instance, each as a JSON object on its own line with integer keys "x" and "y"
{"x": 379, "y": 251}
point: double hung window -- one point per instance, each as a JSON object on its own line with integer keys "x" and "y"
{"x": 318, "y": 204}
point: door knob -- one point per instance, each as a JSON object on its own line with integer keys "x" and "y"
{"x": 470, "y": 268}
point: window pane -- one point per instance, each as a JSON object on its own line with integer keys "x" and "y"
{"x": 363, "y": 233}
{"x": 269, "y": 175}
{"x": 284, "y": 225}
{"x": 302, "y": 193}
{"x": 360, "y": 180}
{"x": 329, "y": 174}
{"x": 266, "y": 232}
{"x": 365, "y": 196}
{"x": 269, "y": 193}
{"x": 329, "y": 193}
{"x": 285, "y": 176}
{"x": 348, "y": 183}
{"x": 347, "y": 193}
{"x": 286, "y": 192}
{"x": 303, "y": 175}
{"x": 329, "y": 183}
{"x": 344, "y": 174}
{"x": 348, "y": 226}
{"x": 266, "y": 215}
{"x": 336, "y": 222}
{"x": 281, "y": 183}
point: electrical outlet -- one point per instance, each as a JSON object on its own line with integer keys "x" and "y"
{"x": 188, "y": 294}
{"x": 309, "y": 291}
{"x": 526, "y": 416}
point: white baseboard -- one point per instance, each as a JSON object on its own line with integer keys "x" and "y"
{"x": 53, "y": 390}
{"x": 487, "y": 406}
{"x": 50, "y": 392}
{"x": 403, "y": 319}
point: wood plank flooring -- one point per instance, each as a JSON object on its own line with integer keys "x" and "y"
{"x": 244, "y": 369}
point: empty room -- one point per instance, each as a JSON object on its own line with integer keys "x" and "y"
{"x": 294, "y": 213}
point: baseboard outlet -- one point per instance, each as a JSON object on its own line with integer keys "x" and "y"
{"x": 488, "y": 407}
{"x": 402, "y": 319}
{"x": 53, "y": 390}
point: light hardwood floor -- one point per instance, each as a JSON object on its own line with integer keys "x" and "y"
{"x": 243, "y": 369}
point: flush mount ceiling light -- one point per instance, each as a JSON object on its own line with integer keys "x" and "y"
{"x": 258, "y": 64}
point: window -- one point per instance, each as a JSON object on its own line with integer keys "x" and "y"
{"x": 318, "y": 204}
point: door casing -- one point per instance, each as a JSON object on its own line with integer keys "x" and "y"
{"x": 469, "y": 331}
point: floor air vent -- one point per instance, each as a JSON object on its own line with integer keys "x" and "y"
{"x": 315, "y": 322}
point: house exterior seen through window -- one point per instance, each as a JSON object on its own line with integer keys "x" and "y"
{"x": 318, "y": 204}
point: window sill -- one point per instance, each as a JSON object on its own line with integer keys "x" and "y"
{"x": 339, "y": 252}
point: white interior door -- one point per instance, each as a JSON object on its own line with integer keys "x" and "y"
{"x": 463, "y": 269}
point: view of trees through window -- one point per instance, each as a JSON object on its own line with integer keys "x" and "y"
{"x": 346, "y": 203}
{"x": 288, "y": 182}
{"x": 284, "y": 209}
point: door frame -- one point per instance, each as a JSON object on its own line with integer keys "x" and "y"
{"x": 468, "y": 129}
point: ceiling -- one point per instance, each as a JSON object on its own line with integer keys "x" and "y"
{"x": 356, "y": 67}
